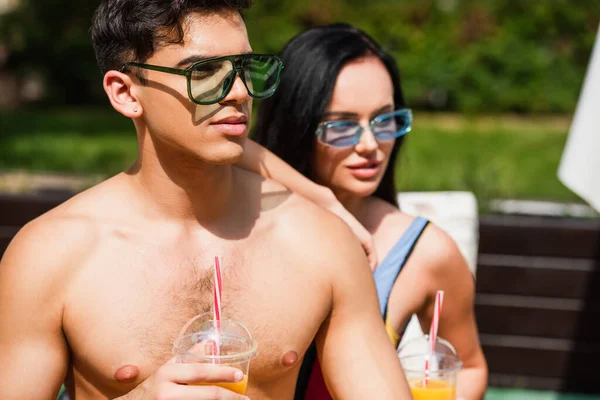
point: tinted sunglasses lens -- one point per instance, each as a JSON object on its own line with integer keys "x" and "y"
{"x": 392, "y": 125}
{"x": 210, "y": 81}
{"x": 261, "y": 75}
{"x": 340, "y": 133}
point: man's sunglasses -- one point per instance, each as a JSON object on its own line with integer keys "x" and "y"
{"x": 347, "y": 133}
{"x": 209, "y": 81}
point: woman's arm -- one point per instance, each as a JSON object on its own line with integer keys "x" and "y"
{"x": 261, "y": 161}
{"x": 437, "y": 264}
{"x": 446, "y": 269}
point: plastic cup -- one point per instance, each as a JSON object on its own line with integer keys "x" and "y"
{"x": 444, "y": 366}
{"x": 439, "y": 383}
{"x": 234, "y": 346}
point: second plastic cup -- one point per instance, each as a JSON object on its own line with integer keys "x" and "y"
{"x": 439, "y": 382}
{"x": 228, "y": 343}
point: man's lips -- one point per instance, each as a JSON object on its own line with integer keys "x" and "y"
{"x": 232, "y": 119}
{"x": 234, "y": 125}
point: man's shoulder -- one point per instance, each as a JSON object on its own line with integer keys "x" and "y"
{"x": 317, "y": 234}
{"x": 49, "y": 237}
{"x": 289, "y": 205}
{"x": 42, "y": 259}
{"x": 302, "y": 214}
{"x": 305, "y": 228}
{"x": 57, "y": 236}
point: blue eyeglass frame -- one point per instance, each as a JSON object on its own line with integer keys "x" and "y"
{"x": 405, "y": 112}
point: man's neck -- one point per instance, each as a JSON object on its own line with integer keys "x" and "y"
{"x": 179, "y": 186}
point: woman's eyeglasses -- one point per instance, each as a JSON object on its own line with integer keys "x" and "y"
{"x": 209, "y": 81}
{"x": 347, "y": 133}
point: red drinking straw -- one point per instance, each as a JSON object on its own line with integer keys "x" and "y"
{"x": 433, "y": 330}
{"x": 217, "y": 308}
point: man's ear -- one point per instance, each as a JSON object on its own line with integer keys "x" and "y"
{"x": 120, "y": 91}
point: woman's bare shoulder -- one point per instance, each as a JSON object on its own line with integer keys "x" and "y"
{"x": 439, "y": 258}
{"x": 435, "y": 249}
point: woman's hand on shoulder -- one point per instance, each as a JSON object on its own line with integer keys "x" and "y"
{"x": 360, "y": 231}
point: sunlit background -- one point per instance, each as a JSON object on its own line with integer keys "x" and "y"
{"x": 493, "y": 84}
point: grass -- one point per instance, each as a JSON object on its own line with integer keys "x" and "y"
{"x": 81, "y": 141}
{"x": 494, "y": 157}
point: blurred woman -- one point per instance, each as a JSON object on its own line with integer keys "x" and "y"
{"x": 339, "y": 118}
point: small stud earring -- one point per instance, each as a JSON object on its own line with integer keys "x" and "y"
{"x": 135, "y": 109}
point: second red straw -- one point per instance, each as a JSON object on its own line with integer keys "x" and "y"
{"x": 433, "y": 330}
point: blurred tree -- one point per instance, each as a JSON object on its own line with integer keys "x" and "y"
{"x": 455, "y": 55}
{"x": 50, "y": 39}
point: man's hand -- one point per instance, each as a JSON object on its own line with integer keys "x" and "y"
{"x": 177, "y": 381}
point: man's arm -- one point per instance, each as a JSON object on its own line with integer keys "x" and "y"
{"x": 356, "y": 355}
{"x": 33, "y": 349}
{"x": 261, "y": 161}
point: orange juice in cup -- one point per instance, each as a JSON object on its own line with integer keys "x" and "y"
{"x": 436, "y": 383}
{"x": 229, "y": 343}
{"x": 432, "y": 390}
{"x": 236, "y": 387}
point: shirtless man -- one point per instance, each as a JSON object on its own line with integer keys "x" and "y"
{"x": 94, "y": 292}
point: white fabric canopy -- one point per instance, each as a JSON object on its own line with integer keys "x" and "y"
{"x": 579, "y": 168}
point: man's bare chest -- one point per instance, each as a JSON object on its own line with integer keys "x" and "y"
{"x": 127, "y": 310}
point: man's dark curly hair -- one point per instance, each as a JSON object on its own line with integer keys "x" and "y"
{"x": 131, "y": 30}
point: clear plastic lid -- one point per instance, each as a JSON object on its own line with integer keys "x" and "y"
{"x": 420, "y": 345}
{"x": 233, "y": 338}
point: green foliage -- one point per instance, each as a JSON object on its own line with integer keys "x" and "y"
{"x": 51, "y": 38}
{"x": 465, "y": 55}
{"x": 459, "y": 55}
